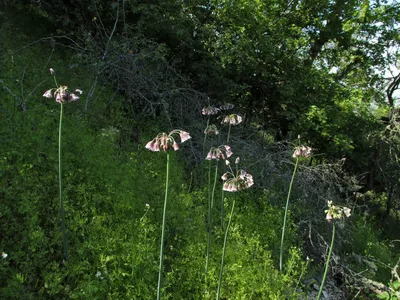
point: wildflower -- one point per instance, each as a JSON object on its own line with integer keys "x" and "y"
{"x": 232, "y": 119}
{"x": 52, "y": 71}
{"x": 226, "y": 106}
{"x": 147, "y": 205}
{"x": 302, "y": 151}
{"x": 233, "y": 183}
{"x": 48, "y": 94}
{"x": 4, "y": 255}
{"x": 211, "y": 130}
{"x": 165, "y": 141}
{"x": 218, "y": 152}
{"x": 210, "y": 110}
{"x": 337, "y": 212}
{"x": 62, "y": 94}
{"x": 347, "y": 211}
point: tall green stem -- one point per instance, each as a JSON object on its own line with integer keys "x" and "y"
{"x": 210, "y": 208}
{"x": 160, "y": 268}
{"x": 229, "y": 134}
{"x": 327, "y": 262}
{"x": 286, "y": 210}
{"x": 224, "y": 252}
{"x": 62, "y": 212}
{"x": 222, "y": 208}
{"x": 205, "y": 138}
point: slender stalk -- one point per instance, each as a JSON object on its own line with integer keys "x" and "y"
{"x": 327, "y": 262}
{"x": 210, "y": 207}
{"x": 209, "y": 214}
{"x": 229, "y": 133}
{"x": 205, "y": 138}
{"x": 160, "y": 268}
{"x": 286, "y": 210}
{"x": 224, "y": 252}
{"x": 62, "y": 212}
{"x": 222, "y": 208}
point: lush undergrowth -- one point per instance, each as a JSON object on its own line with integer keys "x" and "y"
{"x": 114, "y": 190}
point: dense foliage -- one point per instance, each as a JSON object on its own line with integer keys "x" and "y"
{"x": 324, "y": 70}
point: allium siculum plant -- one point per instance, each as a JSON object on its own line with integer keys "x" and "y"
{"x": 209, "y": 111}
{"x": 62, "y": 95}
{"x": 165, "y": 142}
{"x": 300, "y": 151}
{"x": 332, "y": 213}
{"x": 232, "y": 119}
{"x": 215, "y": 153}
{"x": 233, "y": 182}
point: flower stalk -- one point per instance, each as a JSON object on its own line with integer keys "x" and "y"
{"x": 60, "y": 181}
{"x": 327, "y": 262}
{"x": 160, "y": 267}
{"x": 285, "y": 216}
{"x": 210, "y": 209}
{"x": 224, "y": 252}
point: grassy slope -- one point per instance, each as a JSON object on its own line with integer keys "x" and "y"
{"x": 112, "y": 236}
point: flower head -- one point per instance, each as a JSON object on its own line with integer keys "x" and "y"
{"x": 211, "y": 130}
{"x": 233, "y": 183}
{"x": 165, "y": 141}
{"x": 62, "y": 94}
{"x": 232, "y": 119}
{"x": 221, "y": 152}
{"x": 52, "y": 72}
{"x": 302, "y": 151}
{"x": 226, "y": 106}
{"x": 337, "y": 212}
{"x": 210, "y": 110}
{"x": 4, "y": 255}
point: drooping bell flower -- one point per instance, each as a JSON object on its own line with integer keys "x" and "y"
{"x": 164, "y": 141}
{"x": 237, "y": 182}
{"x": 210, "y": 110}
{"x": 302, "y": 151}
{"x": 221, "y": 152}
{"x": 232, "y": 119}
{"x": 62, "y": 95}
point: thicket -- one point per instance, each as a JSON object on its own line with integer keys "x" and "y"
{"x": 317, "y": 70}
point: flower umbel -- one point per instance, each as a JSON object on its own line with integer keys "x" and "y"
{"x": 232, "y": 119}
{"x": 217, "y": 153}
{"x": 62, "y": 94}
{"x": 302, "y": 151}
{"x": 226, "y": 106}
{"x": 210, "y": 110}
{"x": 211, "y": 130}
{"x": 234, "y": 183}
{"x": 337, "y": 212}
{"x": 164, "y": 141}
